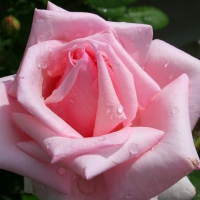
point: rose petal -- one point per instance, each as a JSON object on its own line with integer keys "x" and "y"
{"x": 32, "y": 148}
{"x": 135, "y": 38}
{"x": 145, "y": 86}
{"x": 166, "y": 63}
{"x": 63, "y": 26}
{"x": 182, "y": 190}
{"x": 61, "y": 147}
{"x": 15, "y": 160}
{"x": 98, "y": 161}
{"x": 29, "y": 94}
{"x": 108, "y": 114}
{"x": 176, "y": 148}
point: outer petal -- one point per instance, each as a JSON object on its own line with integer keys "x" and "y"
{"x": 66, "y": 26}
{"x": 135, "y": 38}
{"x": 175, "y": 154}
{"x": 29, "y": 94}
{"x": 98, "y": 161}
{"x": 82, "y": 189}
{"x": 166, "y": 63}
{"x": 182, "y": 190}
{"x": 15, "y": 160}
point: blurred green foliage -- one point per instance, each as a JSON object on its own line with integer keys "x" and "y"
{"x": 12, "y": 48}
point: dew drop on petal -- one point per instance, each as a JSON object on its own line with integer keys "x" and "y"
{"x": 20, "y": 77}
{"x": 148, "y": 186}
{"x": 171, "y": 75}
{"x": 71, "y": 101}
{"x": 166, "y": 64}
{"x": 120, "y": 109}
{"x": 40, "y": 38}
{"x": 102, "y": 138}
{"x": 157, "y": 178}
{"x": 75, "y": 94}
{"x": 133, "y": 148}
{"x": 129, "y": 196}
{"x": 74, "y": 178}
{"x": 87, "y": 187}
{"x": 62, "y": 171}
{"x": 48, "y": 146}
{"x": 175, "y": 110}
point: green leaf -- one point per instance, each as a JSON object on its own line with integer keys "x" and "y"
{"x": 146, "y": 15}
{"x": 109, "y": 3}
{"x": 195, "y": 180}
{"x": 111, "y": 13}
{"x": 29, "y": 197}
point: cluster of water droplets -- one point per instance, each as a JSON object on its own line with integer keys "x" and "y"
{"x": 72, "y": 99}
{"x": 114, "y": 114}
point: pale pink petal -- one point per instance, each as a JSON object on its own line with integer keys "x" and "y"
{"x": 15, "y": 160}
{"x": 61, "y": 147}
{"x": 81, "y": 189}
{"x": 171, "y": 159}
{"x": 122, "y": 79}
{"x": 109, "y": 110}
{"x": 32, "y": 148}
{"x": 68, "y": 26}
{"x": 135, "y": 39}
{"x": 98, "y": 161}
{"x": 145, "y": 86}
{"x": 166, "y": 63}
{"x": 29, "y": 94}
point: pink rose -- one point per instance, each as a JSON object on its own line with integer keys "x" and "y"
{"x": 99, "y": 110}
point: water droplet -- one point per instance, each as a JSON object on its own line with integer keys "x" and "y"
{"x": 48, "y": 145}
{"x": 38, "y": 62}
{"x": 87, "y": 187}
{"x": 50, "y": 50}
{"x": 20, "y": 77}
{"x": 105, "y": 10}
{"x": 71, "y": 101}
{"x": 166, "y": 64}
{"x": 175, "y": 110}
{"x": 62, "y": 171}
{"x": 40, "y": 38}
{"x": 111, "y": 116}
{"x": 110, "y": 107}
{"x": 157, "y": 178}
{"x": 143, "y": 67}
{"x": 75, "y": 94}
{"x": 148, "y": 186}
{"x": 74, "y": 178}
{"x": 171, "y": 75}
{"x": 102, "y": 138}
{"x": 139, "y": 30}
{"x": 95, "y": 45}
{"x": 153, "y": 148}
{"x": 91, "y": 31}
{"x": 129, "y": 196}
{"x": 120, "y": 109}
{"x": 133, "y": 148}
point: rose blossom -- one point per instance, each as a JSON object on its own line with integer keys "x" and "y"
{"x": 99, "y": 110}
